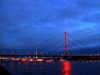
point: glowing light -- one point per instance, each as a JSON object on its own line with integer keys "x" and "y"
{"x": 19, "y": 62}
{"x": 62, "y": 60}
{"x": 66, "y": 68}
{"x": 39, "y": 60}
{"x": 11, "y": 62}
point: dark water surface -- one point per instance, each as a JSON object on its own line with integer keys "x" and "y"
{"x": 54, "y": 68}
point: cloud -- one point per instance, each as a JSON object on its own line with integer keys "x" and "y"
{"x": 88, "y": 4}
{"x": 94, "y": 18}
{"x": 27, "y": 22}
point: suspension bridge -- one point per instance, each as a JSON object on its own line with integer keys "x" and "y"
{"x": 60, "y": 48}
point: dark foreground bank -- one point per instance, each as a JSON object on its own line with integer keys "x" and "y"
{"x": 3, "y": 71}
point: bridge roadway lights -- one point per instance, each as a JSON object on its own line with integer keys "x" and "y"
{"x": 58, "y": 56}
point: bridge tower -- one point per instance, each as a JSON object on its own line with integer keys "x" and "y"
{"x": 66, "y": 43}
{"x": 36, "y": 50}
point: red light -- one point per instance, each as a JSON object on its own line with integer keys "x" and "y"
{"x": 67, "y": 68}
{"x": 11, "y": 62}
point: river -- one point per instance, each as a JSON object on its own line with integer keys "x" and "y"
{"x": 54, "y": 68}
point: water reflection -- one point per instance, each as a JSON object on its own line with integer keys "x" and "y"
{"x": 66, "y": 68}
{"x": 54, "y": 68}
{"x": 26, "y": 67}
{"x": 11, "y": 65}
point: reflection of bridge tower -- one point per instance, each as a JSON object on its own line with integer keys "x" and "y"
{"x": 66, "y": 43}
{"x": 67, "y": 68}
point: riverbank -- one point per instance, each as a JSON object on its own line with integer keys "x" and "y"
{"x": 3, "y": 71}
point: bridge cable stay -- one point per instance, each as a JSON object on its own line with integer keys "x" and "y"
{"x": 75, "y": 47}
{"x": 79, "y": 43}
{"x": 52, "y": 44}
{"x": 49, "y": 41}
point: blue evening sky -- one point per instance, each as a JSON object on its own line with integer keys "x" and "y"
{"x": 24, "y": 23}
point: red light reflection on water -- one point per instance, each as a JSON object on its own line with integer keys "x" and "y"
{"x": 11, "y": 65}
{"x": 26, "y": 67}
{"x": 66, "y": 68}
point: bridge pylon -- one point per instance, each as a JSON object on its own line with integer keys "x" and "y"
{"x": 66, "y": 43}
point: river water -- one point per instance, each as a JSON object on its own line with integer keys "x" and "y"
{"x": 54, "y": 68}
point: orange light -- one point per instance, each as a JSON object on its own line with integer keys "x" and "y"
{"x": 19, "y": 62}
